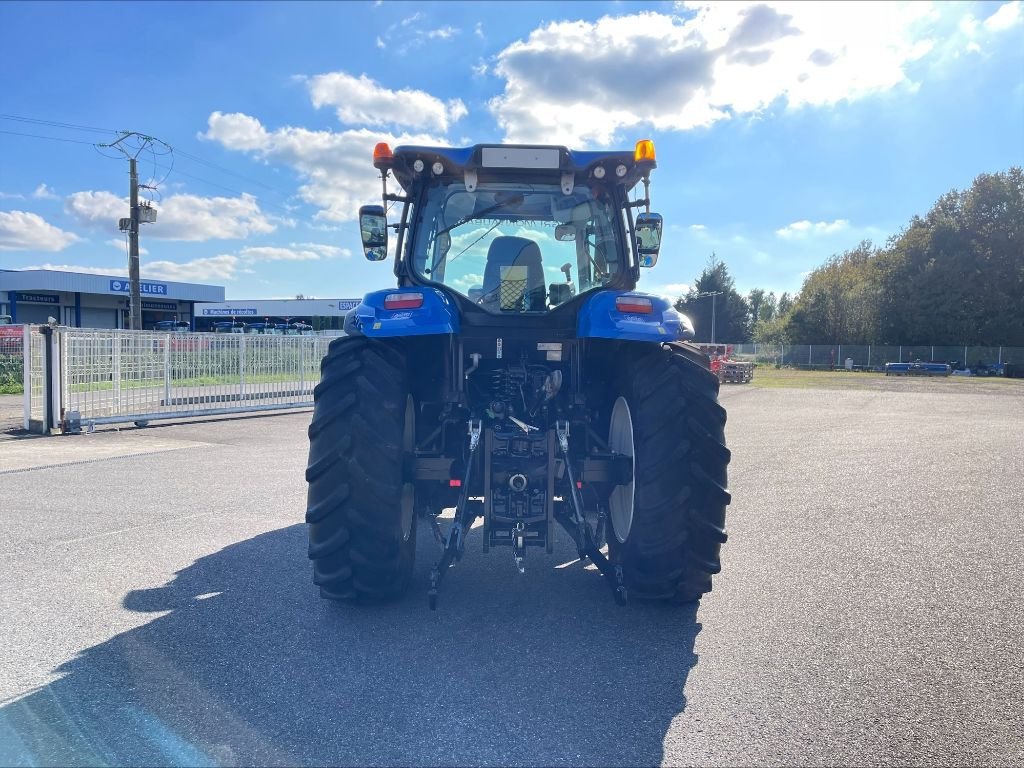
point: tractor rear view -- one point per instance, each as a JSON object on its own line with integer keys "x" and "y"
{"x": 516, "y": 376}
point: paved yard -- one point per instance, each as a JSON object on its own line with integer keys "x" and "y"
{"x": 156, "y": 607}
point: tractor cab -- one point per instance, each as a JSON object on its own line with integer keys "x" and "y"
{"x": 516, "y": 229}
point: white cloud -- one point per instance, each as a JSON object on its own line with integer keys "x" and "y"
{"x": 805, "y": 228}
{"x": 579, "y": 82}
{"x": 224, "y": 266}
{"x": 221, "y": 267}
{"x": 339, "y": 176}
{"x": 25, "y": 231}
{"x": 113, "y": 271}
{"x": 478, "y": 30}
{"x": 412, "y": 32}
{"x": 119, "y": 244}
{"x": 43, "y": 192}
{"x": 325, "y": 251}
{"x": 442, "y": 33}
{"x": 276, "y": 253}
{"x": 362, "y": 101}
{"x": 179, "y": 217}
{"x": 11, "y": 196}
{"x": 697, "y": 227}
{"x": 1005, "y": 17}
{"x": 479, "y": 69}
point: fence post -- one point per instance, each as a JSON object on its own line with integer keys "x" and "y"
{"x": 167, "y": 370}
{"x": 26, "y": 374}
{"x": 901, "y": 353}
{"x": 241, "y": 366}
{"x": 839, "y": 357}
{"x": 302, "y": 364}
{"x": 115, "y": 373}
{"x": 933, "y": 354}
{"x": 869, "y": 357}
{"x": 1000, "y": 355}
{"x": 965, "y": 355}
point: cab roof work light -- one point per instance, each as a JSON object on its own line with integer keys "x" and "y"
{"x": 644, "y": 151}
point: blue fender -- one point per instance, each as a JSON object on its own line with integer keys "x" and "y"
{"x": 437, "y": 314}
{"x": 599, "y": 319}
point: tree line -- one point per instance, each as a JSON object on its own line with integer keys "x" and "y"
{"x": 952, "y": 276}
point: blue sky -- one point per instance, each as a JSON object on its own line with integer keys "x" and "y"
{"x": 785, "y": 131}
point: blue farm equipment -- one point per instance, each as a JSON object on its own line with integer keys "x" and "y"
{"x": 516, "y": 376}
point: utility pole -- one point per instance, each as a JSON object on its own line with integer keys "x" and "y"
{"x": 135, "y": 322}
{"x": 131, "y": 145}
{"x": 713, "y": 295}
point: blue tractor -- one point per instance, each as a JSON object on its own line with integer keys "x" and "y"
{"x": 516, "y": 376}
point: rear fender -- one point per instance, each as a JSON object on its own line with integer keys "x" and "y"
{"x": 600, "y": 319}
{"x": 437, "y": 314}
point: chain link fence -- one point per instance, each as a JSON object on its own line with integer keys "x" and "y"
{"x": 12, "y": 359}
{"x": 875, "y": 356}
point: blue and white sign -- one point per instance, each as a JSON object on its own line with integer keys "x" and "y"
{"x": 346, "y": 304}
{"x": 222, "y": 312}
{"x": 38, "y": 298}
{"x": 146, "y": 289}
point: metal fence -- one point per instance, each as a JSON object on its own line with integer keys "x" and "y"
{"x": 107, "y": 376}
{"x": 35, "y": 378}
{"x": 875, "y": 356}
{"x": 12, "y": 359}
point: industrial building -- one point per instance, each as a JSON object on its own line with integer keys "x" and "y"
{"x": 83, "y": 300}
{"x": 321, "y": 314}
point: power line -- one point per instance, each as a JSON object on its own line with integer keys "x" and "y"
{"x": 56, "y": 124}
{"x": 216, "y": 167}
{"x": 51, "y": 138}
{"x": 170, "y": 151}
{"x": 221, "y": 186}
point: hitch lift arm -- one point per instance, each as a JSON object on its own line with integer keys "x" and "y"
{"x": 586, "y": 545}
{"x": 456, "y": 541}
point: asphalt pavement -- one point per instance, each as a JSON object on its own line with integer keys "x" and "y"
{"x": 156, "y": 608}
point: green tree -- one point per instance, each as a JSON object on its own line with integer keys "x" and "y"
{"x": 957, "y": 273}
{"x": 785, "y": 305}
{"x": 731, "y": 313}
{"x": 837, "y": 302}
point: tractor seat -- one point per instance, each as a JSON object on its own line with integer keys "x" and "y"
{"x": 513, "y": 276}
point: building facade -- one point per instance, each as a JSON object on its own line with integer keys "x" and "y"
{"x": 322, "y": 314}
{"x": 96, "y": 301}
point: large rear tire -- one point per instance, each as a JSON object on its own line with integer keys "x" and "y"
{"x": 362, "y": 531}
{"x": 669, "y": 524}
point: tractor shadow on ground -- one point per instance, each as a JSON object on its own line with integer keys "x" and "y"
{"x": 242, "y": 663}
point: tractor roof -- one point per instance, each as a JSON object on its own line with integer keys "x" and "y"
{"x": 513, "y": 162}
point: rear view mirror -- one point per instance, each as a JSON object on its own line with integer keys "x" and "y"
{"x": 648, "y": 238}
{"x": 373, "y": 228}
{"x": 565, "y": 233}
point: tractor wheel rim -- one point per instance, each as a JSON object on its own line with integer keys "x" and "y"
{"x": 623, "y": 497}
{"x": 408, "y": 449}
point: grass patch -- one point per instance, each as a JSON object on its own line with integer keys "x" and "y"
{"x": 11, "y": 385}
{"x": 769, "y": 377}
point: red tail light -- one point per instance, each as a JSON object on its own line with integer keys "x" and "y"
{"x": 636, "y": 305}
{"x": 403, "y": 301}
{"x": 453, "y": 483}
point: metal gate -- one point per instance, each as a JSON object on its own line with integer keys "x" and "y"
{"x": 95, "y": 376}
